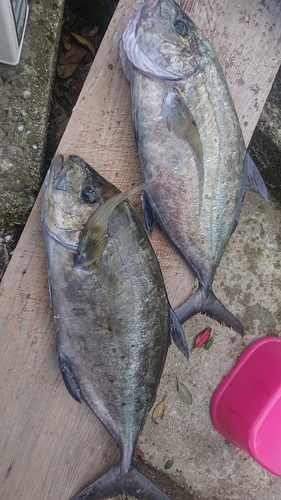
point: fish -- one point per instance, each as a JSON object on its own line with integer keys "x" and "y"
{"x": 112, "y": 316}
{"x": 190, "y": 145}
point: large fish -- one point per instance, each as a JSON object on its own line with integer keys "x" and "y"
{"x": 190, "y": 144}
{"x": 112, "y": 315}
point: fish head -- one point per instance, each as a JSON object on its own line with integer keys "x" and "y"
{"x": 162, "y": 41}
{"x": 73, "y": 192}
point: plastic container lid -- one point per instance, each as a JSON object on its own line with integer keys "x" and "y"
{"x": 246, "y": 406}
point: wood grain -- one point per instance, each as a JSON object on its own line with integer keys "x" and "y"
{"x": 50, "y": 445}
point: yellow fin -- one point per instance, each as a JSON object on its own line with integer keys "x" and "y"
{"x": 93, "y": 236}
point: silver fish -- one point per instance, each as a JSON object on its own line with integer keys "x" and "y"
{"x": 190, "y": 144}
{"x": 112, "y": 315}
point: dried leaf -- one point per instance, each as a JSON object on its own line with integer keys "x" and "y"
{"x": 75, "y": 55}
{"x": 140, "y": 453}
{"x": 202, "y": 338}
{"x": 94, "y": 31}
{"x": 85, "y": 42}
{"x": 169, "y": 463}
{"x": 66, "y": 44}
{"x": 184, "y": 393}
{"x": 64, "y": 71}
{"x": 209, "y": 343}
{"x": 159, "y": 411}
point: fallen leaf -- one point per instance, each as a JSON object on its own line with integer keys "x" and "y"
{"x": 140, "y": 453}
{"x": 75, "y": 55}
{"x": 94, "y": 31}
{"x": 159, "y": 411}
{"x": 66, "y": 44}
{"x": 66, "y": 70}
{"x": 85, "y": 42}
{"x": 184, "y": 393}
{"x": 169, "y": 463}
{"x": 202, "y": 338}
{"x": 209, "y": 343}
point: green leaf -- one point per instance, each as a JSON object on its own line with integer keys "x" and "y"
{"x": 184, "y": 393}
{"x": 209, "y": 343}
{"x": 66, "y": 44}
{"x": 169, "y": 463}
{"x": 85, "y": 42}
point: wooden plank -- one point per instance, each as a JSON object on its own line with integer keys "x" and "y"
{"x": 50, "y": 445}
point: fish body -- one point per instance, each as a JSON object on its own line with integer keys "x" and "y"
{"x": 190, "y": 144}
{"x": 111, "y": 311}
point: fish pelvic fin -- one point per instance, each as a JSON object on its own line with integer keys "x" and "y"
{"x": 148, "y": 213}
{"x": 177, "y": 334}
{"x": 208, "y": 304}
{"x": 113, "y": 483}
{"x": 69, "y": 378}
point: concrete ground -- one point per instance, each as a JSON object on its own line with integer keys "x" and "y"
{"x": 247, "y": 281}
{"x": 26, "y": 91}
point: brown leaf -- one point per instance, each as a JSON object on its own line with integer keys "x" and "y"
{"x": 140, "y": 453}
{"x": 159, "y": 411}
{"x": 74, "y": 56}
{"x": 67, "y": 70}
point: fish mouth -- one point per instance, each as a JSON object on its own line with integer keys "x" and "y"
{"x": 130, "y": 44}
{"x": 59, "y": 170}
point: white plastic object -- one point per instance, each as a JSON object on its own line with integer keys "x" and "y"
{"x": 13, "y": 18}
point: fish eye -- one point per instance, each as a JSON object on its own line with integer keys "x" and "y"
{"x": 89, "y": 194}
{"x": 181, "y": 27}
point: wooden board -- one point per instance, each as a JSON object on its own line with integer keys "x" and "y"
{"x": 50, "y": 445}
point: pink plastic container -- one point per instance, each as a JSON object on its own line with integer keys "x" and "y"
{"x": 246, "y": 406}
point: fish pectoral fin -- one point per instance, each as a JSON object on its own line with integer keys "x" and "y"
{"x": 69, "y": 378}
{"x": 113, "y": 483}
{"x": 92, "y": 239}
{"x": 177, "y": 334}
{"x": 180, "y": 120}
{"x": 148, "y": 213}
{"x": 91, "y": 248}
{"x": 254, "y": 178}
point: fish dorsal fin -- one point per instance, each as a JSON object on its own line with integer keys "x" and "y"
{"x": 254, "y": 178}
{"x": 92, "y": 238}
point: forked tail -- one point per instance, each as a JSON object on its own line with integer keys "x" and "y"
{"x": 113, "y": 483}
{"x": 207, "y": 303}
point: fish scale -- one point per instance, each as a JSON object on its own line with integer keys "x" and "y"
{"x": 190, "y": 144}
{"x": 112, "y": 316}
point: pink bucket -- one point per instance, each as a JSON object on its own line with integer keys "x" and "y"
{"x": 246, "y": 406}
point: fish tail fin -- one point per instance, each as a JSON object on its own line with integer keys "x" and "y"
{"x": 216, "y": 310}
{"x": 209, "y": 304}
{"x": 113, "y": 483}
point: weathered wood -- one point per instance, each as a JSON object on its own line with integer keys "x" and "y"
{"x": 51, "y": 446}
